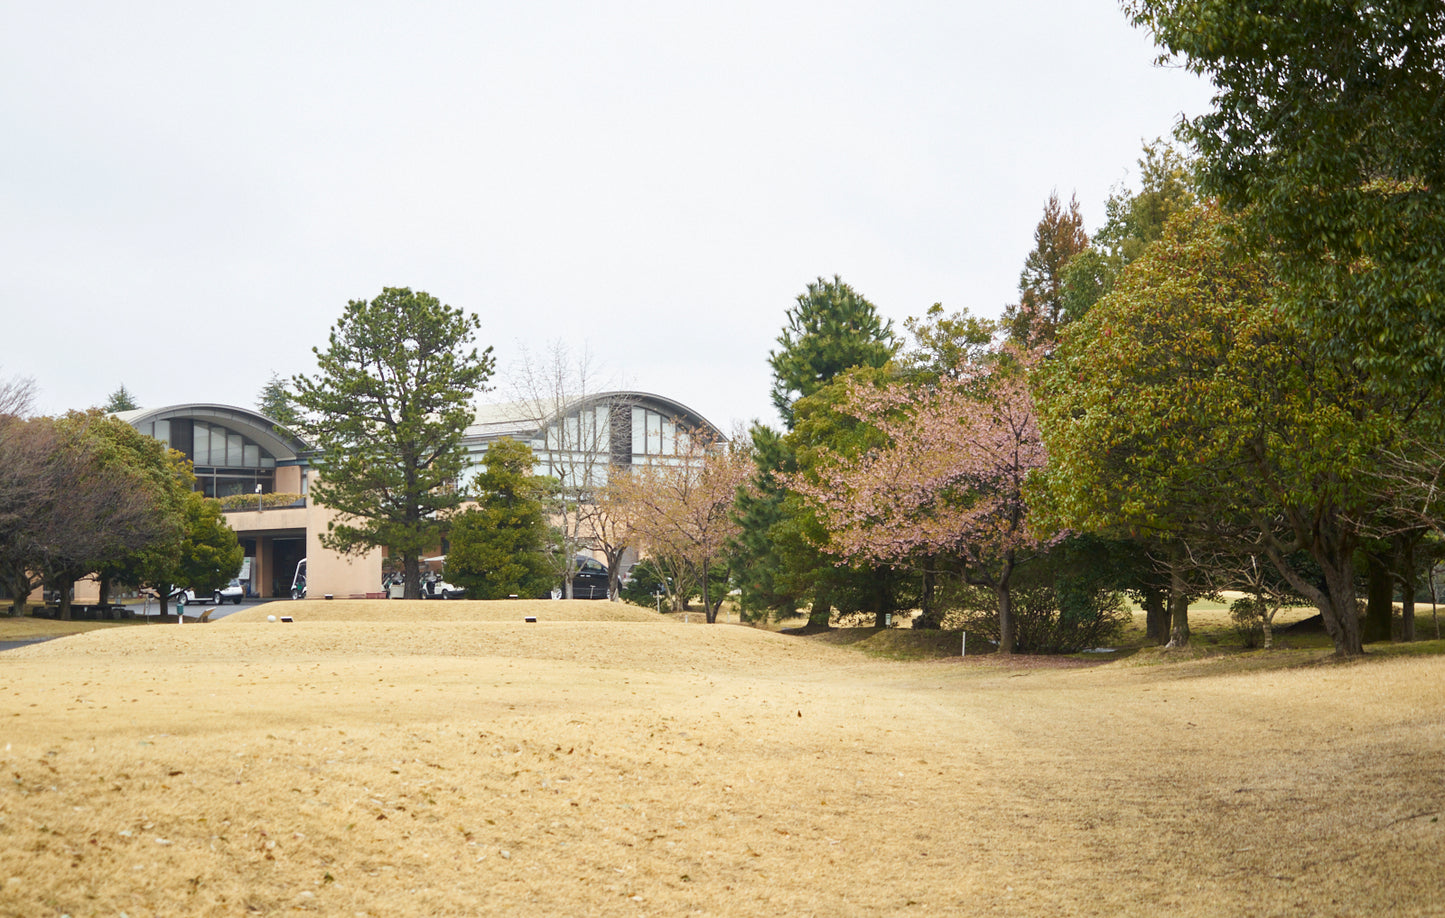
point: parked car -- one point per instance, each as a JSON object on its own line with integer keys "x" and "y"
{"x": 232, "y": 591}
{"x": 590, "y": 581}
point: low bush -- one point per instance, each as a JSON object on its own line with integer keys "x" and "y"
{"x": 1059, "y": 617}
{"x": 268, "y": 501}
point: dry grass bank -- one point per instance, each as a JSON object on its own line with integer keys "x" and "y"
{"x": 437, "y": 610}
{"x": 464, "y": 767}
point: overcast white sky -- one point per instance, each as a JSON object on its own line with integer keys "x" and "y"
{"x": 191, "y": 191}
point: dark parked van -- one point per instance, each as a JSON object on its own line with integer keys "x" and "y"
{"x": 590, "y": 581}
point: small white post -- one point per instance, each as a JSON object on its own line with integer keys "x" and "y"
{"x": 964, "y": 648}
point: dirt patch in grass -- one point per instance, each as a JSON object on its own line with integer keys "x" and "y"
{"x": 457, "y": 767}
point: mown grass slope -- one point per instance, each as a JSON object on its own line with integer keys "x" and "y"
{"x": 422, "y": 766}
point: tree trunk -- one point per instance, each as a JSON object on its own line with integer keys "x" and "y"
{"x": 929, "y": 616}
{"x": 411, "y": 578}
{"x": 1178, "y": 620}
{"x": 1178, "y": 600}
{"x": 64, "y": 602}
{"x": 820, "y": 615}
{"x": 20, "y": 586}
{"x": 1005, "y": 618}
{"x": 707, "y": 610}
{"x": 1007, "y": 636}
{"x": 1333, "y": 549}
{"x": 1156, "y": 614}
{"x": 1379, "y": 604}
{"x": 1339, "y": 610}
{"x": 1434, "y": 601}
{"x": 1406, "y": 560}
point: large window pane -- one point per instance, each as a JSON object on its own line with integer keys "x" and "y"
{"x": 601, "y": 437}
{"x": 202, "y": 447}
{"x": 639, "y": 430}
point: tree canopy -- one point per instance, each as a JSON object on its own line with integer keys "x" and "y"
{"x": 1328, "y": 137}
{"x": 942, "y": 476}
{"x": 387, "y": 407}
{"x": 1058, "y": 237}
{"x": 832, "y": 328}
{"x": 682, "y": 511}
{"x": 276, "y": 402}
{"x": 120, "y": 400}
{"x": 1183, "y": 404}
{"x": 499, "y": 547}
{"x": 85, "y": 494}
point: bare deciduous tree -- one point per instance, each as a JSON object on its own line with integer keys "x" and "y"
{"x": 26, "y": 488}
{"x": 683, "y": 509}
{"x": 17, "y": 397}
{"x": 611, "y": 519}
{"x": 557, "y": 391}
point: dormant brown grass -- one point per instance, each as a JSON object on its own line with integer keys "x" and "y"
{"x": 437, "y": 764}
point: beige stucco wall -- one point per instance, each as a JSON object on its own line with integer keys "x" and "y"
{"x": 288, "y": 479}
{"x": 326, "y": 571}
{"x": 330, "y": 572}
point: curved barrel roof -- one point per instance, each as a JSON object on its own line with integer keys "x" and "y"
{"x": 525, "y": 419}
{"x": 270, "y": 435}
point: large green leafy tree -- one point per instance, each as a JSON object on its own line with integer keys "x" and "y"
{"x": 1146, "y": 567}
{"x": 202, "y": 554}
{"x": 1328, "y": 136}
{"x": 762, "y": 513}
{"x": 499, "y": 548}
{"x": 1183, "y": 405}
{"x": 387, "y": 408}
{"x": 210, "y": 553}
{"x": 1133, "y": 220}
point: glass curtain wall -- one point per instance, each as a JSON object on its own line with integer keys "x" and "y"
{"x": 226, "y": 462}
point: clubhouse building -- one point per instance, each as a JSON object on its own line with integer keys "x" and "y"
{"x": 239, "y": 454}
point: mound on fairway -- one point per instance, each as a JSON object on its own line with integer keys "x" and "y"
{"x": 439, "y": 610}
{"x": 421, "y": 767}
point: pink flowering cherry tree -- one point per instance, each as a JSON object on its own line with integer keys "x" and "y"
{"x": 949, "y": 481}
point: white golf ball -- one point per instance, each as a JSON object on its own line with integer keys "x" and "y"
{"x": 270, "y": 618}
